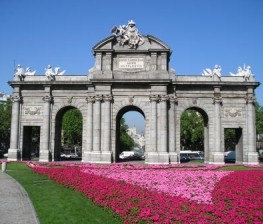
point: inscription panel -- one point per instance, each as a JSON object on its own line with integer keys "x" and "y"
{"x": 131, "y": 63}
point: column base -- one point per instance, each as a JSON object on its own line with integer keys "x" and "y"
{"x": 13, "y": 155}
{"x": 217, "y": 158}
{"x": 252, "y": 158}
{"x": 174, "y": 158}
{"x": 86, "y": 157}
{"x": 44, "y": 156}
{"x": 157, "y": 158}
{"x": 97, "y": 157}
{"x": 106, "y": 157}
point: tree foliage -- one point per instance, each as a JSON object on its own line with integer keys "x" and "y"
{"x": 126, "y": 142}
{"x": 192, "y": 130}
{"x": 72, "y": 127}
{"x": 259, "y": 119}
{"x": 5, "y": 125}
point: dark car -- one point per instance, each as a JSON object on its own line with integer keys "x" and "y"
{"x": 230, "y": 157}
{"x": 184, "y": 158}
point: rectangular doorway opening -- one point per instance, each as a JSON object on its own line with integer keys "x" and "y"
{"x": 233, "y": 145}
{"x": 31, "y": 142}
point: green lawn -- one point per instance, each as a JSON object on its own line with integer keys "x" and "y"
{"x": 239, "y": 167}
{"x": 56, "y": 204}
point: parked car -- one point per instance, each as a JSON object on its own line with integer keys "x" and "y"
{"x": 126, "y": 155}
{"x": 184, "y": 158}
{"x": 230, "y": 157}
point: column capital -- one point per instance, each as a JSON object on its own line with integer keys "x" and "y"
{"x": 47, "y": 99}
{"x": 16, "y": 98}
{"x": 154, "y": 98}
{"x": 164, "y": 98}
{"x": 250, "y": 99}
{"x": 217, "y": 99}
{"x": 173, "y": 98}
{"x": 98, "y": 98}
{"x": 107, "y": 98}
{"x": 90, "y": 99}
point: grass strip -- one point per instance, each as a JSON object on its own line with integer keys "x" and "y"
{"x": 56, "y": 204}
{"x": 239, "y": 167}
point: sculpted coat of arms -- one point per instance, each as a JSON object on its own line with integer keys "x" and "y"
{"x": 128, "y": 35}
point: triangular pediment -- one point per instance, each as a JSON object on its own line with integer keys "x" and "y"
{"x": 112, "y": 43}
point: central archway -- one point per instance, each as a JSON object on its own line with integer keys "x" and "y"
{"x": 119, "y": 117}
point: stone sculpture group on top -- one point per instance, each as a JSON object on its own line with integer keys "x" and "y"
{"x": 209, "y": 72}
{"x": 128, "y": 34}
{"x": 21, "y": 73}
{"x": 49, "y": 73}
{"x": 244, "y": 72}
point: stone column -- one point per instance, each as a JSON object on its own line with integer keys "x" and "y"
{"x": 153, "y": 100}
{"x": 89, "y": 130}
{"x": 97, "y": 124}
{"x": 106, "y": 142}
{"x": 252, "y": 155}
{"x": 172, "y": 129}
{"x": 44, "y": 155}
{"x": 163, "y": 152}
{"x": 163, "y": 123}
{"x": 14, "y": 137}
{"x": 107, "y": 124}
{"x": 152, "y": 155}
{"x": 218, "y": 155}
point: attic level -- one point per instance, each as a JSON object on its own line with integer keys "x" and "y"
{"x": 129, "y": 55}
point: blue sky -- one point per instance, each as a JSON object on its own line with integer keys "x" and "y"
{"x": 201, "y": 33}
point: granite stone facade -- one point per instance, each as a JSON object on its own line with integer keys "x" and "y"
{"x": 139, "y": 79}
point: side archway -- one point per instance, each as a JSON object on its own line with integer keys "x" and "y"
{"x": 194, "y": 131}
{"x": 68, "y": 139}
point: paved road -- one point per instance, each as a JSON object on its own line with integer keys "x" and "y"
{"x": 15, "y": 205}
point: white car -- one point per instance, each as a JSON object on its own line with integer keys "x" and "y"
{"x": 126, "y": 154}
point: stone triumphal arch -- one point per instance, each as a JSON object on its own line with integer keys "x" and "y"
{"x": 131, "y": 72}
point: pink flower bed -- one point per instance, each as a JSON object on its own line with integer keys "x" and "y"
{"x": 234, "y": 197}
{"x": 194, "y": 185}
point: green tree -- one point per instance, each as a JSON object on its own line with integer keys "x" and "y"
{"x": 126, "y": 142}
{"x": 259, "y": 119}
{"x": 5, "y": 125}
{"x": 72, "y": 127}
{"x": 192, "y": 130}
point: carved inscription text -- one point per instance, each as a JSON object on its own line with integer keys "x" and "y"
{"x": 131, "y": 63}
